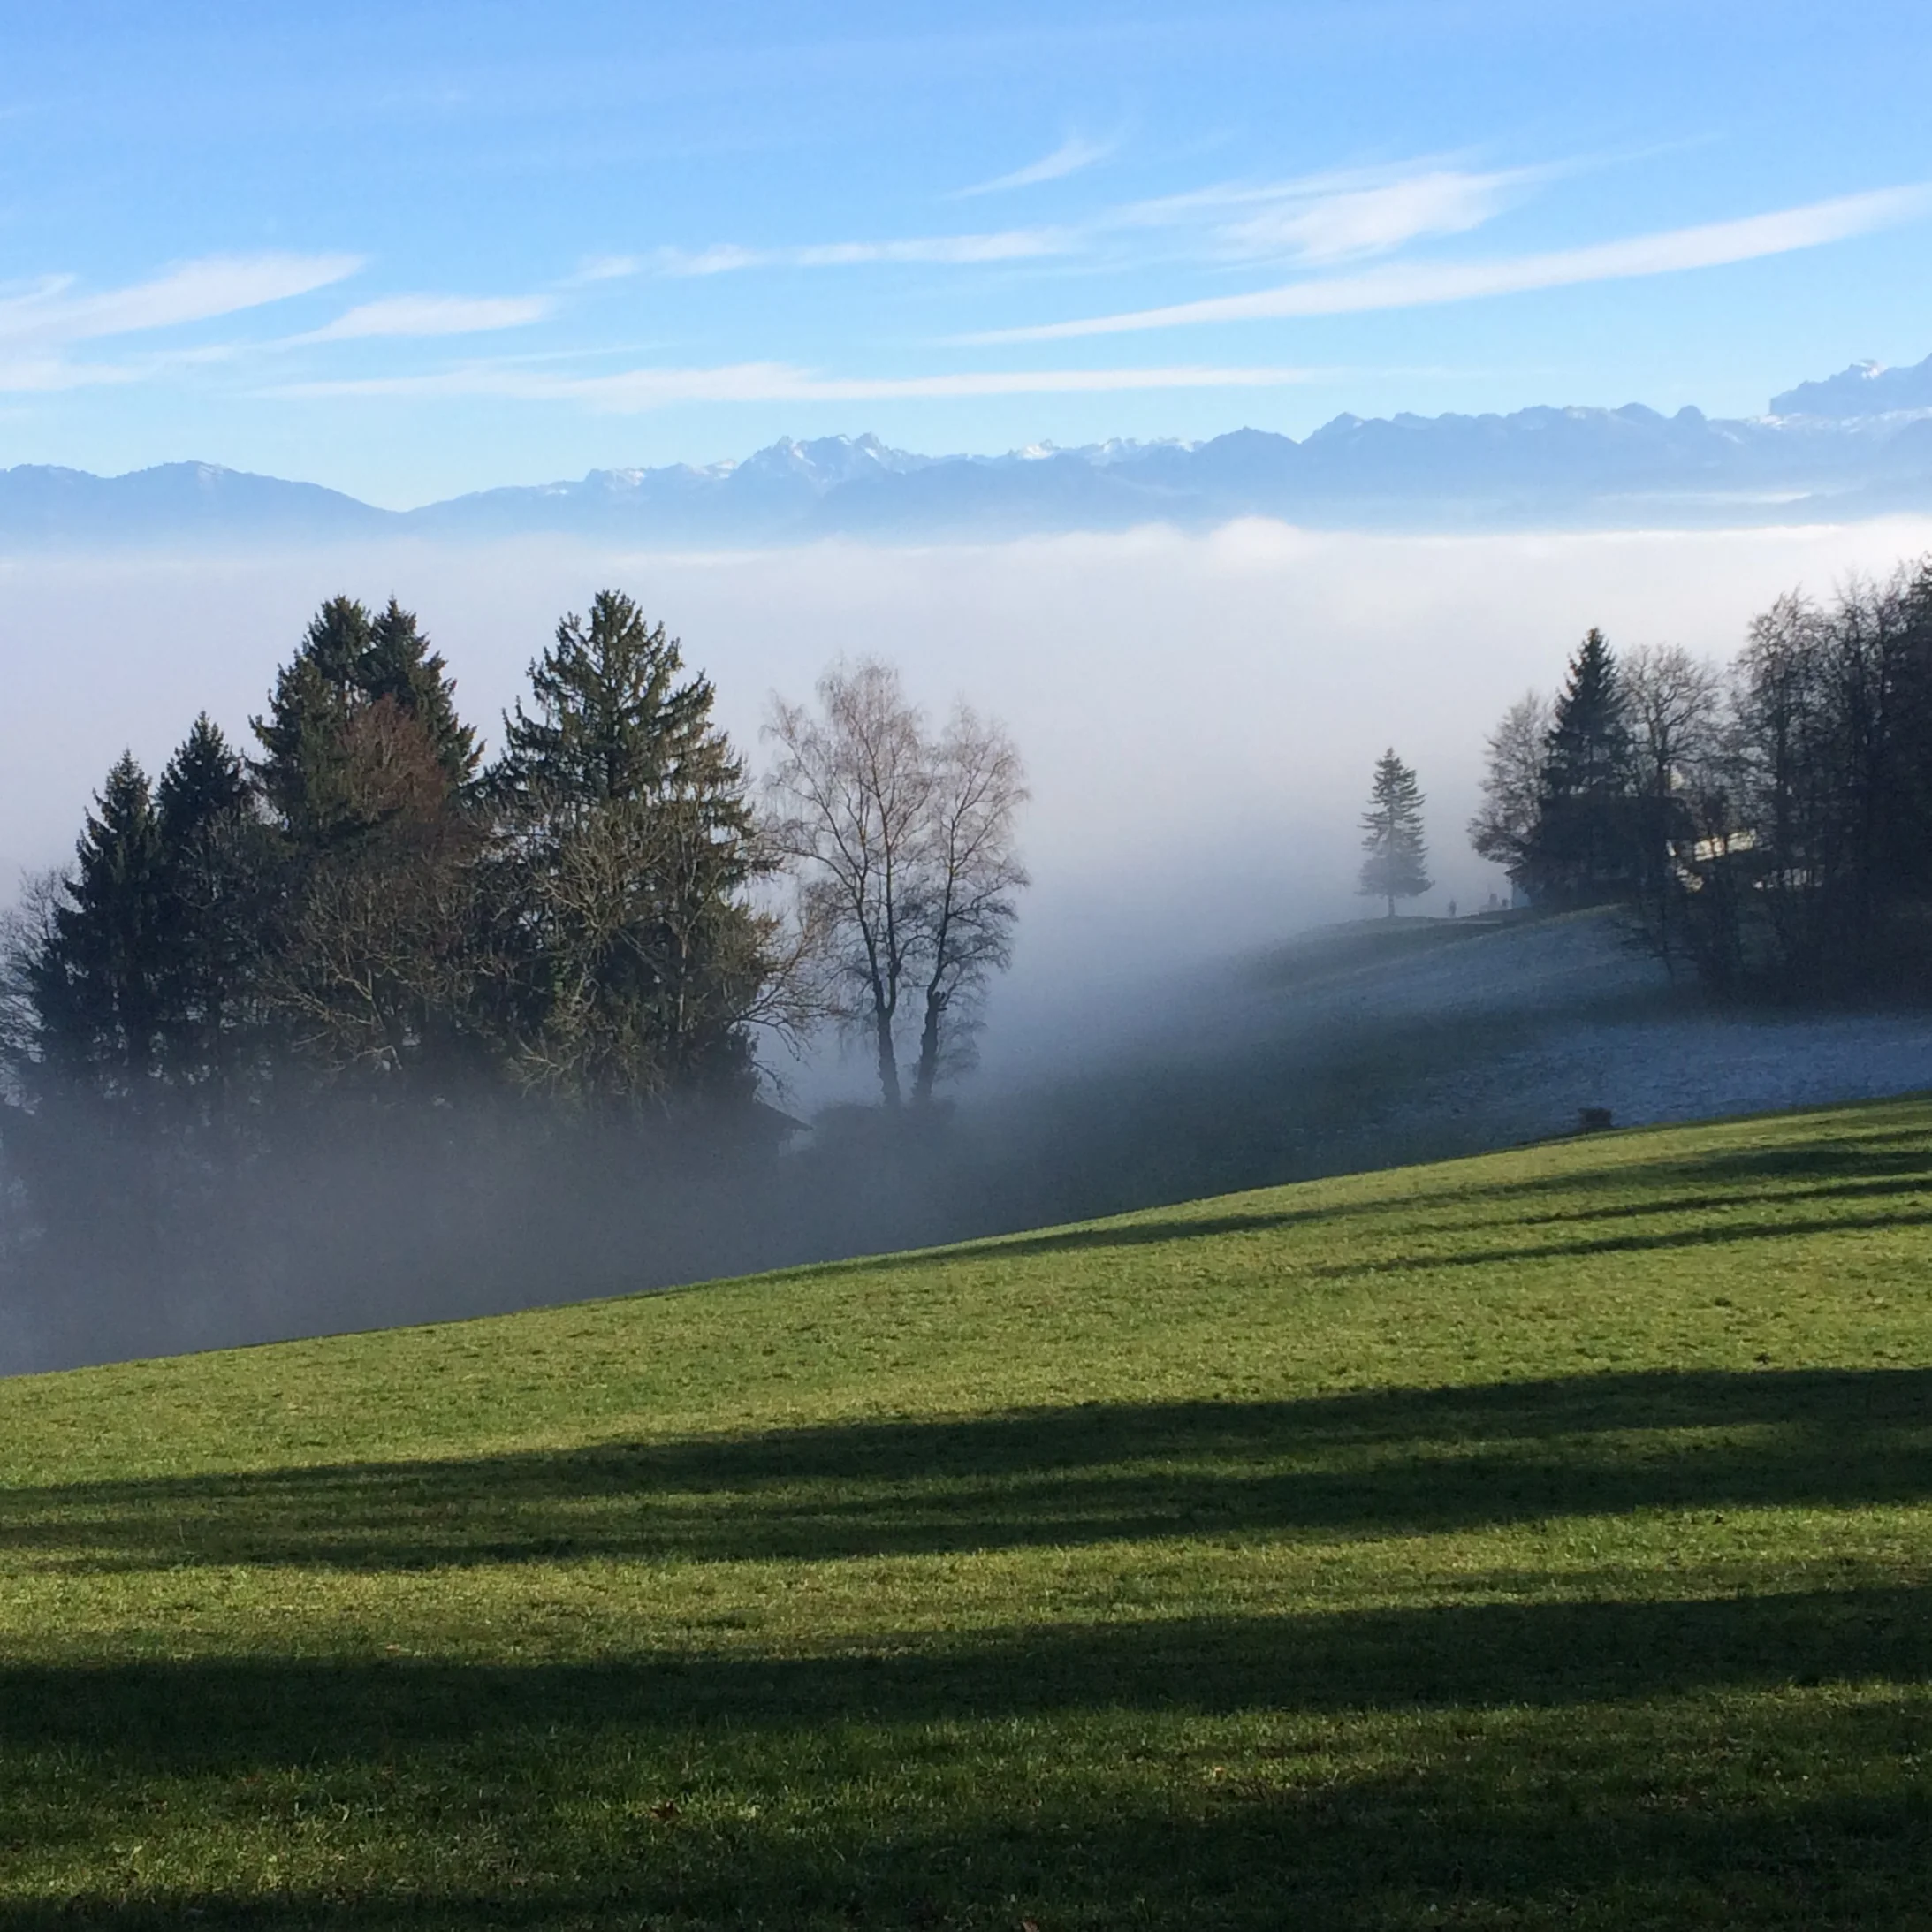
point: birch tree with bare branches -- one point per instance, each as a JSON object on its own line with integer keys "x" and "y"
{"x": 969, "y": 881}
{"x": 904, "y": 847}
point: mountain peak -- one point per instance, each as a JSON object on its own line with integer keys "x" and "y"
{"x": 1864, "y": 389}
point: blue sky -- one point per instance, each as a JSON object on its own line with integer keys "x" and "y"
{"x": 409, "y": 250}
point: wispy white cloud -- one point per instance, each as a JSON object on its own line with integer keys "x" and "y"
{"x": 1418, "y": 285}
{"x": 632, "y": 391}
{"x": 722, "y": 258}
{"x": 1328, "y": 223}
{"x": 1315, "y": 220}
{"x": 51, "y": 312}
{"x": 1009, "y": 245}
{"x": 432, "y": 316}
{"x": 606, "y": 268}
{"x": 1069, "y": 157}
{"x": 43, "y": 374}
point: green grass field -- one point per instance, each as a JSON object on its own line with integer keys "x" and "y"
{"x": 1541, "y": 1540}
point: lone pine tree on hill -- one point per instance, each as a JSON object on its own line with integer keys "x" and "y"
{"x": 1397, "y": 863}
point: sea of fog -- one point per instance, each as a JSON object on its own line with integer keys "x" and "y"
{"x": 1199, "y": 714}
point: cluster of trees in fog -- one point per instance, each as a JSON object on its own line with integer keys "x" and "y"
{"x": 1769, "y": 823}
{"x": 361, "y": 917}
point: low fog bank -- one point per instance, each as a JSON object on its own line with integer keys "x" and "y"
{"x": 1356, "y": 1046}
{"x": 1199, "y": 716}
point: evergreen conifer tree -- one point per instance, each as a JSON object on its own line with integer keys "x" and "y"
{"x": 627, "y": 811}
{"x": 304, "y": 766}
{"x": 613, "y": 722}
{"x": 400, "y": 666}
{"x": 212, "y": 905}
{"x": 203, "y": 785}
{"x": 84, "y": 1038}
{"x": 1583, "y": 849}
{"x": 96, "y": 980}
{"x": 1909, "y": 861}
{"x": 316, "y": 768}
{"x": 371, "y": 952}
{"x": 1396, "y": 865}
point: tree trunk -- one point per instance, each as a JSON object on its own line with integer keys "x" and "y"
{"x": 928, "y": 1071}
{"x": 889, "y": 1060}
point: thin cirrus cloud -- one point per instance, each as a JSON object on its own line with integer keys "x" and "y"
{"x": 43, "y": 321}
{"x": 1317, "y": 224}
{"x": 421, "y": 315}
{"x": 1333, "y": 215}
{"x": 43, "y": 374}
{"x": 606, "y": 268}
{"x": 634, "y": 390}
{"x": 956, "y": 251}
{"x": 51, "y": 313}
{"x": 1315, "y": 220}
{"x": 1420, "y": 284}
{"x": 1070, "y": 157}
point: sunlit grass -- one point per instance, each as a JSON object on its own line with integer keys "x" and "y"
{"x": 1540, "y": 1539}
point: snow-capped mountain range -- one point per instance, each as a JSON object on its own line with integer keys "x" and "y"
{"x": 1856, "y": 444}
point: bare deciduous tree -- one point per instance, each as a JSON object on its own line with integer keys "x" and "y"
{"x": 907, "y": 872}
{"x": 1504, "y": 828}
{"x": 970, "y": 879}
{"x": 1676, "y": 708}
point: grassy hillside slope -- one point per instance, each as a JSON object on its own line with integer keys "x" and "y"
{"x": 1540, "y": 1539}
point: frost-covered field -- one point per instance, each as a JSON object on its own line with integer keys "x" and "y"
{"x": 1373, "y": 1044}
{"x": 1554, "y": 1016}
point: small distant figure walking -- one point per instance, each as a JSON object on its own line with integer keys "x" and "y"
{"x": 1452, "y": 909}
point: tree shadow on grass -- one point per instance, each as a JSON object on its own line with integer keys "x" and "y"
{"x": 245, "y": 1714}
{"x": 1780, "y": 1222}
{"x": 1871, "y": 1165}
{"x": 1536, "y": 1782}
{"x": 1448, "y": 1844}
{"x": 1379, "y": 1462}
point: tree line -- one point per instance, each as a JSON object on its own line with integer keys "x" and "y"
{"x": 359, "y": 914}
{"x": 1769, "y": 823}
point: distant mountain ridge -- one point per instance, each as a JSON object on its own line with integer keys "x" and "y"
{"x": 38, "y": 502}
{"x": 1858, "y": 443}
{"x": 1866, "y": 389}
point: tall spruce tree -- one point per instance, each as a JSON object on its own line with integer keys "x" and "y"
{"x": 1909, "y": 860}
{"x": 633, "y": 841}
{"x": 615, "y": 720}
{"x": 1585, "y": 846}
{"x": 95, "y": 979}
{"x": 212, "y": 907}
{"x": 83, "y": 1041}
{"x": 373, "y": 955}
{"x": 400, "y": 666}
{"x": 304, "y": 767}
{"x": 320, "y": 770}
{"x": 1396, "y": 865}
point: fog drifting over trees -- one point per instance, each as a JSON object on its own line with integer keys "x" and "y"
{"x": 1197, "y": 713}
